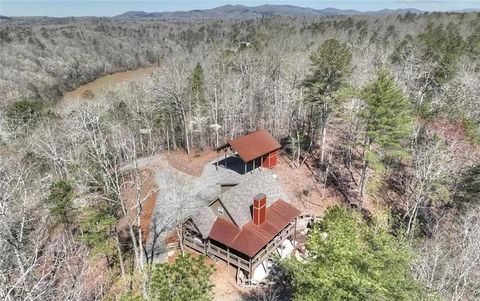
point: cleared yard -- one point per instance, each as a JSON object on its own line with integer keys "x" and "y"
{"x": 303, "y": 189}
{"x": 190, "y": 164}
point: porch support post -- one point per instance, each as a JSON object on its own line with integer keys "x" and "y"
{"x": 295, "y": 236}
{"x": 245, "y": 164}
{"x": 228, "y": 256}
{"x": 225, "y": 158}
{"x": 206, "y": 246}
{"x": 250, "y": 270}
{"x": 254, "y": 164}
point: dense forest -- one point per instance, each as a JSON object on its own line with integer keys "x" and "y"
{"x": 387, "y": 106}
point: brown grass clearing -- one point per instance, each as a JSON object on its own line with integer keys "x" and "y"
{"x": 191, "y": 164}
{"x": 304, "y": 190}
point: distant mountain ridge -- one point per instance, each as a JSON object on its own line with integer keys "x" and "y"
{"x": 246, "y": 12}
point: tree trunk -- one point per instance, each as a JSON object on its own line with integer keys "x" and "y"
{"x": 325, "y": 114}
{"x": 412, "y": 220}
{"x": 172, "y": 130}
{"x": 364, "y": 176}
{"x": 120, "y": 256}
{"x": 180, "y": 237}
{"x": 168, "y": 143}
{"x": 310, "y": 120}
{"x": 299, "y": 150}
{"x": 187, "y": 142}
{"x": 131, "y": 231}
{"x": 322, "y": 150}
{"x": 216, "y": 119}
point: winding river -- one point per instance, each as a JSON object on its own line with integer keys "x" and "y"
{"x": 109, "y": 81}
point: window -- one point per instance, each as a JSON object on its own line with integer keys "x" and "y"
{"x": 221, "y": 211}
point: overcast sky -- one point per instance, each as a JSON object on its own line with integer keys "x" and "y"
{"x": 61, "y": 8}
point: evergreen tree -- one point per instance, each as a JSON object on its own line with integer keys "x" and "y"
{"x": 388, "y": 122}
{"x": 196, "y": 105}
{"x": 22, "y": 115}
{"x": 197, "y": 85}
{"x": 197, "y": 94}
{"x": 60, "y": 201}
{"x": 330, "y": 65}
{"x": 186, "y": 279}
{"x": 443, "y": 47}
{"x": 349, "y": 260}
{"x": 469, "y": 187}
{"x": 96, "y": 225}
{"x": 98, "y": 231}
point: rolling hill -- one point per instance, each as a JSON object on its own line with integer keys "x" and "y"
{"x": 246, "y": 12}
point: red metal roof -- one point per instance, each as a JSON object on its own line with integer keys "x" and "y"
{"x": 254, "y": 145}
{"x": 253, "y": 238}
{"x": 224, "y": 231}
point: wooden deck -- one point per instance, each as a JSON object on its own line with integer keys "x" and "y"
{"x": 212, "y": 250}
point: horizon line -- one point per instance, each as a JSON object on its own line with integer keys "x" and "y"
{"x": 119, "y": 12}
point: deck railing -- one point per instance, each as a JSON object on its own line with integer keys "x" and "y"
{"x": 273, "y": 245}
{"x": 217, "y": 252}
{"x": 194, "y": 244}
{"x": 230, "y": 258}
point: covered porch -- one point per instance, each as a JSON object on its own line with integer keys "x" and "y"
{"x": 246, "y": 264}
{"x": 235, "y": 163}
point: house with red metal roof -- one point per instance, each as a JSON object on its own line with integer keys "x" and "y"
{"x": 248, "y": 220}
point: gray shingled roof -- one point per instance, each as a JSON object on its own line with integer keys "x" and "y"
{"x": 237, "y": 200}
{"x": 204, "y": 219}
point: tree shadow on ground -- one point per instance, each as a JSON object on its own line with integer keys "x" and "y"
{"x": 156, "y": 245}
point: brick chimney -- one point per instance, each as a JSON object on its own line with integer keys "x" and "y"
{"x": 259, "y": 209}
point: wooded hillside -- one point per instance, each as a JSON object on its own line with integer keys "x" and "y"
{"x": 385, "y": 109}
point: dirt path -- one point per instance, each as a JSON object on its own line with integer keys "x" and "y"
{"x": 109, "y": 81}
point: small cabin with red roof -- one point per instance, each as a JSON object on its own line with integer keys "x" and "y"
{"x": 259, "y": 148}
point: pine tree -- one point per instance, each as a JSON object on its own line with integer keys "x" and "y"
{"x": 96, "y": 224}
{"x": 388, "y": 123}
{"x": 197, "y": 101}
{"x": 188, "y": 278}
{"x": 60, "y": 201}
{"x": 350, "y": 260}
{"x": 197, "y": 85}
{"x": 330, "y": 65}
